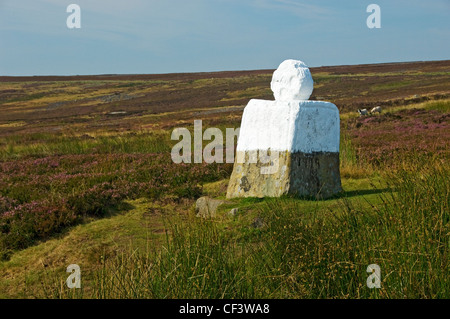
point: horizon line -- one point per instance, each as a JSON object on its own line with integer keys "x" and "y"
{"x": 213, "y": 71}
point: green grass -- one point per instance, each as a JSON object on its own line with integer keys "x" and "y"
{"x": 441, "y": 106}
{"x": 149, "y": 244}
{"x": 391, "y": 86}
{"x": 28, "y": 97}
{"x": 86, "y": 244}
{"x": 45, "y": 144}
{"x": 305, "y": 249}
{"x": 248, "y": 93}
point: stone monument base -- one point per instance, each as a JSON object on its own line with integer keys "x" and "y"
{"x": 287, "y": 148}
{"x": 299, "y": 174}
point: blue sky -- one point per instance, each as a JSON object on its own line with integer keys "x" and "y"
{"x": 165, "y": 36}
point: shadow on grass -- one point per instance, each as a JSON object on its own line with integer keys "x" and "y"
{"x": 362, "y": 192}
{"x": 343, "y": 194}
{"x": 109, "y": 212}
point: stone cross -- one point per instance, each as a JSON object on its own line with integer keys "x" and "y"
{"x": 289, "y": 146}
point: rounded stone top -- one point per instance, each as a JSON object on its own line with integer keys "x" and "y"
{"x": 292, "y": 81}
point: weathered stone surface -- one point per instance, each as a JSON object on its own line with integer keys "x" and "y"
{"x": 298, "y": 174}
{"x": 315, "y": 175}
{"x": 247, "y": 181}
{"x": 292, "y": 80}
{"x": 206, "y": 207}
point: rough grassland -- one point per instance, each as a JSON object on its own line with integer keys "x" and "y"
{"x": 86, "y": 178}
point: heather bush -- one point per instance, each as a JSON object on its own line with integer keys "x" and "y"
{"x": 390, "y": 139}
{"x": 26, "y": 223}
{"x": 6, "y": 204}
{"x": 69, "y": 187}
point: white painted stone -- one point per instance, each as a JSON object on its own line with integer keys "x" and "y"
{"x": 305, "y": 134}
{"x": 293, "y": 126}
{"x": 292, "y": 81}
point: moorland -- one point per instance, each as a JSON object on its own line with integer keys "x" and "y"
{"x": 86, "y": 178}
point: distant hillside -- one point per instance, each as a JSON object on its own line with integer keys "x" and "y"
{"x": 28, "y": 102}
